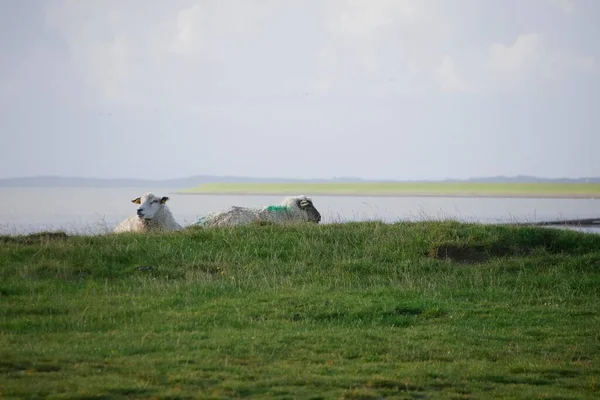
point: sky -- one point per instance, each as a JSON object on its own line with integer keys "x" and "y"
{"x": 376, "y": 89}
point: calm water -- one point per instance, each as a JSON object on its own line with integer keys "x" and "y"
{"x": 97, "y": 210}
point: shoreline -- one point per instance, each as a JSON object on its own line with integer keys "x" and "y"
{"x": 407, "y": 194}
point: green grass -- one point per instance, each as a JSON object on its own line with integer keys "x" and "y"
{"x": 433, "y": 310}
{"x": 404, "y": 189}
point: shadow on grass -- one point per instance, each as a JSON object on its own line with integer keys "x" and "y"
{"x": 396, "y": 317}
{"x": 21, "y": 366}
{"x": 511, "y": 242}
{"x": 34, "y": 238}
{"x": 471, "y": 254}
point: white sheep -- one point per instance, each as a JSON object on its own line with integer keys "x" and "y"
{"x": 290, "y": 210}
{"x": 152, "y": 215}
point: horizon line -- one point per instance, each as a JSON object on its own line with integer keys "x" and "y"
{"x": 335, "y": 178}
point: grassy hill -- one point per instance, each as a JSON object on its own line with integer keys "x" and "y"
{"x": 431, "y": 310}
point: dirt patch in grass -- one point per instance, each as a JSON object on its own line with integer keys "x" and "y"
{"x": 35, "y": 238}
{"x": 13, "y": 366}
{"x": 473, "y": 254}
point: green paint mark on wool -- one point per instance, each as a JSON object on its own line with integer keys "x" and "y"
{"x": 277, "y": 208}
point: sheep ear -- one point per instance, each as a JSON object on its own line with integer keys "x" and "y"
{"x": 136, "y": 201}
{"x": 164, "y": 200}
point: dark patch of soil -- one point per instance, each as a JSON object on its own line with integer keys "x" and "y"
{"x": 473, "y": 254}
{"x": 34, "y": 238}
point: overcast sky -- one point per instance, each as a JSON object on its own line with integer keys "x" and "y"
{"x": 392, "y": 89}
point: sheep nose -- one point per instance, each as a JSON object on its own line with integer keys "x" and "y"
{"x": 140, "y": 211}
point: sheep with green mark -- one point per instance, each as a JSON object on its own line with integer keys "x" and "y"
{"x": 292, "y": 209}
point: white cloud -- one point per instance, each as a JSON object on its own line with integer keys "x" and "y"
{"x": 567, "y": 6}
{"x": 532, "y": 58}
{"x": 112, "y": 48}
{"x": 524, "y": 54}
{"x": 190, "y": 53}
{"x": 186, "y": 38}
{"x": 448, "y": 77}
{"x": 205, "y": 22}
{"x": 359, "y": 17}
{"x": 381, "y": 47}
{"x": 165, "y": 53}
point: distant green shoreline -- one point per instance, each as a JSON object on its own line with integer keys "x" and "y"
{"x": 515, "y": 190}
{"x": 464, "y": 195}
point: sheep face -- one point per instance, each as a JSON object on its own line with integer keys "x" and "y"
{"x": 149, "y": 205}
{"x": 307, "y": 205}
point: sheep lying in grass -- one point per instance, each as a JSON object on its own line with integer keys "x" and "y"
{"x": 290, "y": 210}
{"x": 152, "y": 215}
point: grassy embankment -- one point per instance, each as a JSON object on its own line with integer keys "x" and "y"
{"x": 357, "y": 310}
{"x": 566, "y": 190}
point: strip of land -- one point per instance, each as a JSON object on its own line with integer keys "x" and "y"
{"x": 433, "y": 189}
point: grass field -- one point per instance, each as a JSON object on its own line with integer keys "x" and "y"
{"x": 404, "y": 189}
{"x": 434, "y": 310}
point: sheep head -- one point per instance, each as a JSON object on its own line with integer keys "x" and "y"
{"x": 305, "y": 204}
{"x": 149, "y": 205}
